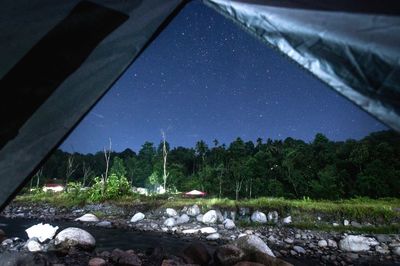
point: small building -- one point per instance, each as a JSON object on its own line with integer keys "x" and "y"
{"x": 195, "y": 193}
{"x": 53, "y": 187}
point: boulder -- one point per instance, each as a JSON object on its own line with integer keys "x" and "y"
{"x": 190, "y": 231}
{"x": 125, "y": 258}
{"x": 346, "y": 223}
{"x": 273, "y": 217}
{"x": 75, "y": 237}
{"x": 137, "y": 217}
{"x": 33, "y": 245}
{"x": 199, "y": 218}
{"x": 229, "y": 224}
{"x": 196, "y": 253}
{"x": 213, "y": 236}
{"x": 210, "y": 217}
{"x": 322, "y": 243}
{"x": 259, "y": 217}
{"x": 97, "y": 262}
{"x": 396, "y": 251}
{"x": 287, "y": 220}
{"x": 170, "y": 222}
{"x": 42, "y": 231}
{"x": 299, "y": 249}
{"x": 250, "y": 243}
{"x": 228, "y": 255}
{"x": 265, "y": 259}
{"x": 248, "y": 263}
{"x": 184, "y": 218}
{"x": 208, "y": 230}
{"x": 332, "y": 243}
{"x": 355, "y": 243}
{"x": 88, "y": 217}
{"x": 104, "y": 224}
{"x": 193, "y": 211}
{"x": 171, "y": 212}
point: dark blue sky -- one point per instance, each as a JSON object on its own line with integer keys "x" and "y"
{"x": 205, "y": 78}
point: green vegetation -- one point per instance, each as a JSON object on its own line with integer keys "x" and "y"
{"x": 292, "y": 169}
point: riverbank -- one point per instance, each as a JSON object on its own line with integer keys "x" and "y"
{"x": 278, "y": 231}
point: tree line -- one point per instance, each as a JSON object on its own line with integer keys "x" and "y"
{"x": 291, "y": 168}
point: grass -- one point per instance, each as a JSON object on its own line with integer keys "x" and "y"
{"x": 383, "y": 212}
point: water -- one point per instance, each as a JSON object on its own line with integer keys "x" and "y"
{"x": 107, "y": 238}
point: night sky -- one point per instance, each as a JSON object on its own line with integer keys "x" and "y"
{"x": 205, "y": 78}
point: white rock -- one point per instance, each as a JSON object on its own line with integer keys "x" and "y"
{"x": 258, "y": 217}
{"x": 299, "y": 249}
{"x": 33, "y": 246}
{"x": 332, "y": 243}
{"x": 199, "y": 218}
{"x": 287, "y": 220}
{"x": 355, "y": 243}
{"x": 289, "y": 240}
{"x": 184, "y": 218}
{"x": 190, "y": 231}
{"x": 382, "y": 250}
{"x": 170, "y": 222}
{"x": 104, "y": 224}
{"x": 242, "y": 235}
{"x": 208, "y": 230}
{"x": 137, "y": 217}
{"x": 335, "y": 224}
{"x": 346, "y": 223}
{"x": 42, "y": 231}
{"x": 396, "y": 251}
{"x": 273, "y": 216}
{"x": 171, "y": 212}
{"x": 210, "y": 217}
{"x": 73, "y": 236}
{"x": 322, "y": 243}
{"x": 88, "y": 217}
{"x": 193, "y": 210}
{"x": 229, "y": 224}
{"x": 214, "y": 236}
{"x": 253, "y": 243}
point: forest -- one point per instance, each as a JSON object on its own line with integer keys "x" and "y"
{"x": 290, "y": 168}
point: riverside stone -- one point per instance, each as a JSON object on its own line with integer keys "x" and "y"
{"x": 250, "y": 243}
{"x": 33, "y": 245}
{"x": 229, "y": 224}
{"x": 97, "y": 262}
{"x": 193, "y": 210}
{"x": 228, "y": 255}
{"x": 137, "y": 217}
{"x": 213, "y": 236}
{"x": 287, "y": 220}
{"x": 184, "y": 218}
{"x": 42, "y": 231}
{"x": 273, "y": 216}
{"x": 197, "y": 254}
{"x": 88, "y": 217}
{"x": 210, "y": 217}
{"x": 170, "y": 222}
{"x": 73, "y": 236}
{"x": 171, "y": 212}
{"x": 299, "y": 249}
{"x": 355, "y": 243}
{"x": 259, "y": 217}
{"x": 322, "y": 243}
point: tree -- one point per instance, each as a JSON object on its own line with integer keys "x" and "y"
{"x": 70, "y": 170}
{"x": 87, "y": 172}
{"x": 107, "y": 156}
{"x": 165, "y": 155}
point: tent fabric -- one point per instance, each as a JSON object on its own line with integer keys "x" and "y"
{"x": 351, "y": 46}
{"x": 57, "y": 59}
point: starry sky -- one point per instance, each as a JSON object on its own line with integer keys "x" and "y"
{"x": 205, "y": 78}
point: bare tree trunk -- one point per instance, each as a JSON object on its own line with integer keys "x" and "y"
{"x": 107, "y": 155}
{"x": 71, "y": 168}
{"x": 38, "y": 175}
{"x": 86, "y": 172}
{"x": 238, "y": 187}
{"x": 251, "y": 186}
{"x": 165, "y": 155}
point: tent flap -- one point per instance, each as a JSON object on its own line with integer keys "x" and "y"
{"x": 57, "y": 60}
{"x": 351, "y": 47}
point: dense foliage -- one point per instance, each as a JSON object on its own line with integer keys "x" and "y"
{"x": 291, "y": 168}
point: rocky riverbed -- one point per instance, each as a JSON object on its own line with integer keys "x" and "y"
{"x": 224, "y": 227}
